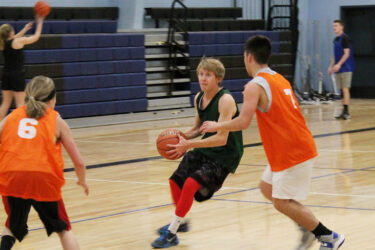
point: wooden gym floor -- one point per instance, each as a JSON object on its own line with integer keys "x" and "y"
{"x": 130, "y": 197}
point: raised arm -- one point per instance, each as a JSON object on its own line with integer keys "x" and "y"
{"x": 24, "y": 30}
{"x": 20, "y": 42}
{"x": 65, "y": 135}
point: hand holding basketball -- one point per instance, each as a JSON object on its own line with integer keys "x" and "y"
{"x": 42, "y": 9}
{"x": 168, "y": 144}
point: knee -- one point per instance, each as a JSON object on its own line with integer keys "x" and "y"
{"x": 281, "y": 205}
{"x": 266, "y": 190}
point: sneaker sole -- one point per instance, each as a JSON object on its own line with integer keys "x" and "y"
{"x": 339, "y": 242}
{"x": 170, "y": 244}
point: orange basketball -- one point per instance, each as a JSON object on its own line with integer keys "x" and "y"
{"x": 42, "y": 8}
{"x": 168, "y": 136}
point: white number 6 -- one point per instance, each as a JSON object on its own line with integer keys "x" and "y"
{"x": 25, "y": 130}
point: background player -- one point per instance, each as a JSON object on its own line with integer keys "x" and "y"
{"x": 13, "y": 78}
{"x": 31, "y": 165}
{"x": 343, "y": 65}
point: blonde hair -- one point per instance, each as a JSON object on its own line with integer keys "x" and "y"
{"x": 39, "y": 90}
{"x": 5, "y": 31}
{"x": 213, "y": 65}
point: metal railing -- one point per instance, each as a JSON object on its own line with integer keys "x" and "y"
{"x": 177, "y": 25}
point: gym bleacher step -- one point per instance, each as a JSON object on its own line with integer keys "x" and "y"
{"x": 165, "y": 81}
{"x": 165, "y": 94}
{"x": 156, "y": 56}
{"x": 159, "y": 69}
{"x": 169, "y": 103}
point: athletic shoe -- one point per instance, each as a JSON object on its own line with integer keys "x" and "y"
{"x": 331, "y": 242}
{"x": 165, "y": 240}
{"x": 307, "y": 240}
{"x": 183, "y": 228}
{"x": 343, "y": 116}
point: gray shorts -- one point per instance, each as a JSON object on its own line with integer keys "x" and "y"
{"x": 344, "y": 80}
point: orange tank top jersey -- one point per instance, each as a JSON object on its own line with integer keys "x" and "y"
{"x": 286, "y": 139}
{"x": 31, "y": 163}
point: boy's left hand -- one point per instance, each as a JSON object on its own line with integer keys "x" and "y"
{"x": 178, "y": 149}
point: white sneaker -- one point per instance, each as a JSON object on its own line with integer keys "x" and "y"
{"x": 331, "y": 242}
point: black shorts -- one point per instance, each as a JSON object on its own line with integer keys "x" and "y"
{"x": 14, "y": 80}
{"x": 52, "y": 214}
{"x": 206, "y": 171}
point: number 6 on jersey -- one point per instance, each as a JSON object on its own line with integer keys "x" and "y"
{"x": 25, "y": 130}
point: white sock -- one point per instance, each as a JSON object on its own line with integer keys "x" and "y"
{"x": 175, "y": 223}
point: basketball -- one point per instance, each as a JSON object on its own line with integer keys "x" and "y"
{"x": 168, "y": 136}
{"x": 42, "y": 8}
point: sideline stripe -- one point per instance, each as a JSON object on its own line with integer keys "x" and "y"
{"x": 245, "y": 146}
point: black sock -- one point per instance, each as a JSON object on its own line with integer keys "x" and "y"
{"x": 321, "y": 230}
{"x": 7, "y": 242}
{"x": 346, "y": 109}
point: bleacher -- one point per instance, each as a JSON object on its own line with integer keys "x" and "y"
{"x": 229, "y": 47}
{"x": 96, "y": 70}
{"x": 207, "y": 19}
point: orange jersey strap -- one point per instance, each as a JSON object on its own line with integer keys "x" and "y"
{"x": 286, "y": 139}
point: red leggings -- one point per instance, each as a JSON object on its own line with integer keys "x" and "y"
{"x": 183, "y": 199}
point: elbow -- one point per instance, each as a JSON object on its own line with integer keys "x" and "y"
{"x": 223, "y": 141}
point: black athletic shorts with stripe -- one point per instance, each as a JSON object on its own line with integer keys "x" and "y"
{"x": 206, "y": 171}
{"x": 52, "y": 214}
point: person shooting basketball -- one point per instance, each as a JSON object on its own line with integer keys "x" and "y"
{"x": 12, "y": 44}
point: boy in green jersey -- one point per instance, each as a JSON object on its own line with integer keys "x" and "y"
{"x": 203, "y": 170}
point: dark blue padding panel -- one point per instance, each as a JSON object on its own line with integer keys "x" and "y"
{"x": 69, "y": 27}
{"x": 102, "y": 40}
{"x": 103, "y": 94}
{"x": 101, "y": 81}
{"x": 102, "y": 108}
{"x": 105, "y": 67}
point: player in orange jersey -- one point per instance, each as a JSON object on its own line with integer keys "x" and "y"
{"x": 31, "y": 165}
{"x": 288, "y": 143}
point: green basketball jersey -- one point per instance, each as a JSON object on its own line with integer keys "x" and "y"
{"x": 230, "y": 154}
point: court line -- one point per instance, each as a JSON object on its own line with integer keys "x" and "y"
{"x": 214, "y": 198}
{"x": 111, "y": 215}
{"x": 246, "y": 146}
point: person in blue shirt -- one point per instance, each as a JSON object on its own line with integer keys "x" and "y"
{"x": 343, "y": 65}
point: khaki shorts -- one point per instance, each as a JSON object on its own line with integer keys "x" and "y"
{"x": 292, "y": 183}
{"x": 344, "y": 80}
